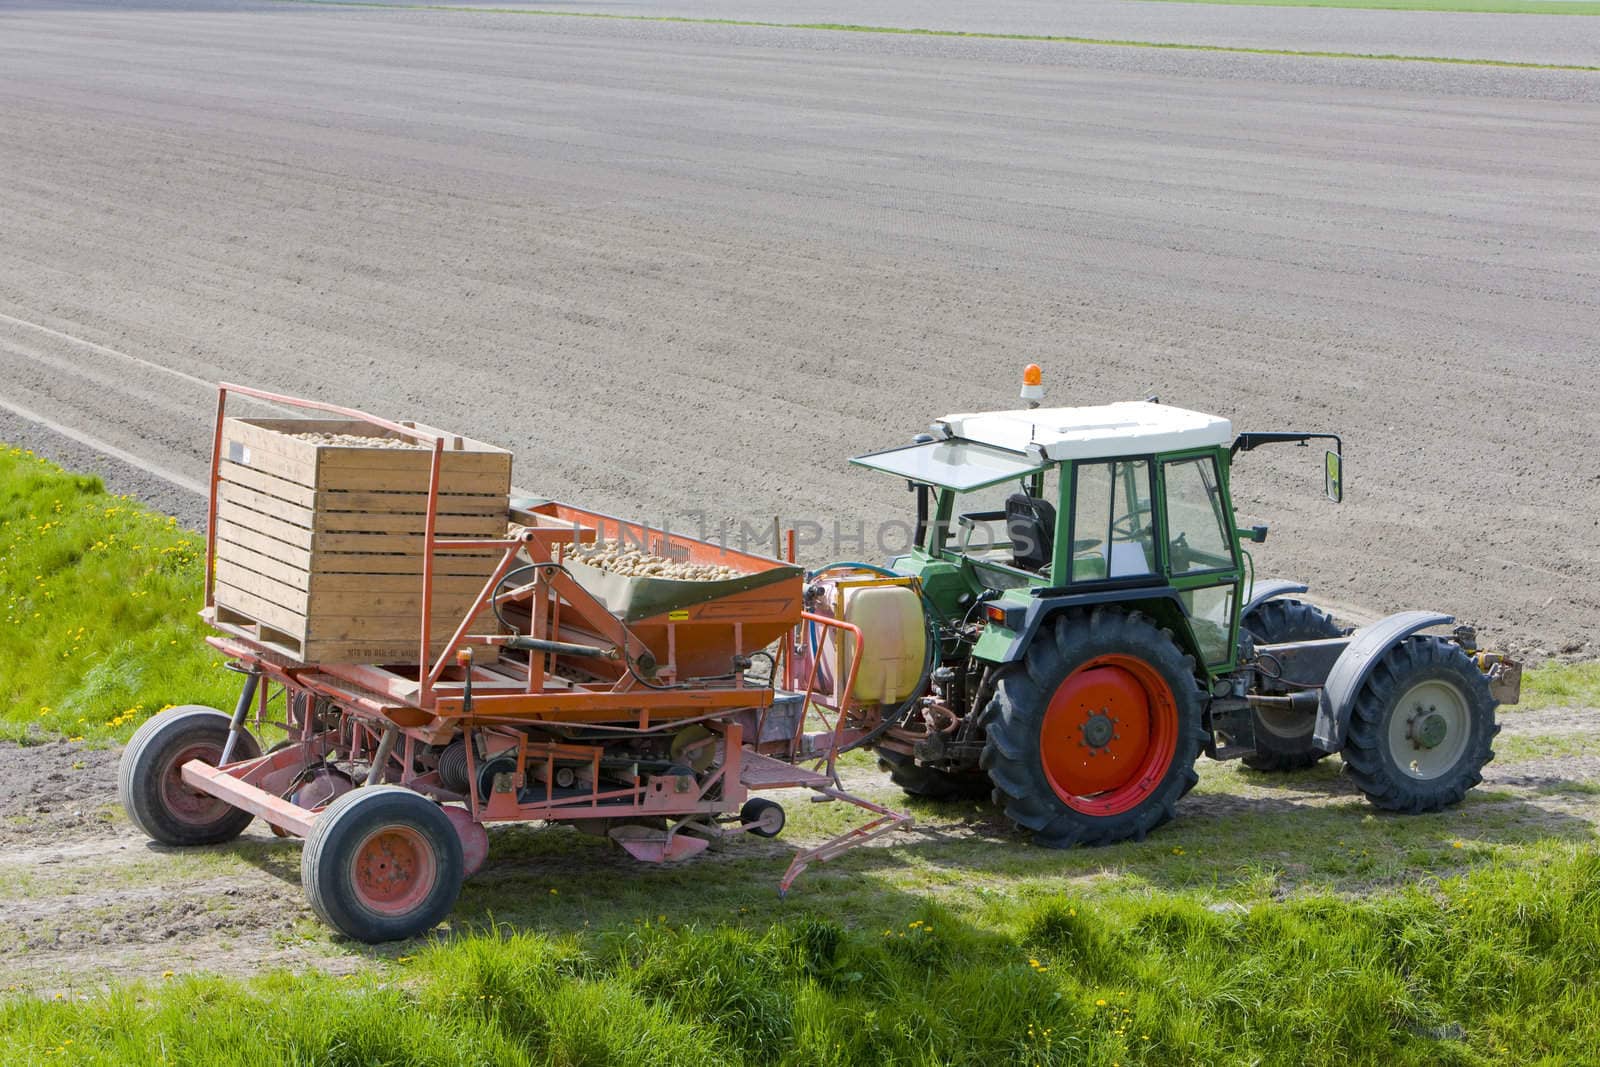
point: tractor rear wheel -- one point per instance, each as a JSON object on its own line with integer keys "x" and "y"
{"x": 930, "y": 783}
{"x": 382, "y": 864}
{"x": 1092, "y": 737}
{"x": 1283, "y": 738}
{"x": 1421, "y": 727}
{"x": 150, "y": 777}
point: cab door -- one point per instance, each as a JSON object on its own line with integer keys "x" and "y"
{"x": 1202, "y": 556}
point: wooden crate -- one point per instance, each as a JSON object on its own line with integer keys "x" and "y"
{"x": 320, "y": 546}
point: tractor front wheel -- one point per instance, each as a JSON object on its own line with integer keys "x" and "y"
{"x": 1092, "y": 737}
{"x": 382, "y": 863}
{"x": 1283, "y": 738}
{"x": 1421, "y": 727}
{"x": 150, "y": 777}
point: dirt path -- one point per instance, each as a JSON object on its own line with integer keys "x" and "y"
{"x": 88, "y": 899}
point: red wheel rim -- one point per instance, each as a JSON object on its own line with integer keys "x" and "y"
{"x": 183, "y": 801}
{"x": 1109, "y": 735}
{"x": 393, "y": 870}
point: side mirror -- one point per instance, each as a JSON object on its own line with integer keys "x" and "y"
{"x": 1332, "y": 484}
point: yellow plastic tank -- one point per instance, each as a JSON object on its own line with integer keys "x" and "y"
{"x": 894, "y": 635}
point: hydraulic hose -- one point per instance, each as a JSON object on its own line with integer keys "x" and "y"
{"x": 514, "y": 572}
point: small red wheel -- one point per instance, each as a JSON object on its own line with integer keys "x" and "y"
{"x": 150, "y": 777}
{"x": 382, "y": 863}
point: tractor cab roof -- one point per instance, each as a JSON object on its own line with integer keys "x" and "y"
{"x": 971, "y": 451}
{"x": 1126, "y": 428}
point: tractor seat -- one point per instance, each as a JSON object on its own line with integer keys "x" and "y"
{"x": 1031, "y": 525}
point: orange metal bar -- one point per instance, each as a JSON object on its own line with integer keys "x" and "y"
{"x": 603, "y": 703}
{"x": 887, "y": 820}
{"x": 332, "y": 409}
{"x": 538, "y": 661}
{"x": 429, "y": 531}
{"x": 850, "y": 682}
{"x": 222, "y": 785}
{"x": 211, "y": 501}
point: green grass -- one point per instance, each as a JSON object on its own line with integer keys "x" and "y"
{"x": 97, "y": 609}
{"x": 1546, "y": 746}
{"x": 839, "y": 27}
{"x": 1571, "y": 685}
{"x": 1498, "y": 966}
{"x": 1495, "y": 7}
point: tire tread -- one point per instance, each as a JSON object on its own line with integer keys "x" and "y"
{"x": 170, "y": 728}
{"x": 1414, "y": 660}
{"x": 1016, "y": 712}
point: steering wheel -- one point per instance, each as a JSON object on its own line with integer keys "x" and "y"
{"x": 1130, "y": 525}
{"x": 1178, "y": 552}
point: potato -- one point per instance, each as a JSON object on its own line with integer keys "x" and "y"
{"x": 633, "y": 562}
{"x": 356, "y": 440}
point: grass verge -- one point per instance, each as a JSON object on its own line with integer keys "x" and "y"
{"x": 1498, "y": 966}
{"x": 976, "y": 35}
{"x": 97, "y": 609}
{"x": 1571, "y": 685}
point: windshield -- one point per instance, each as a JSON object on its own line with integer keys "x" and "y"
{"x": 955, "y": 464}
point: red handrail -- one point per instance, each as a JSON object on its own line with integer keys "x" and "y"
{"x": 849, "y": 687}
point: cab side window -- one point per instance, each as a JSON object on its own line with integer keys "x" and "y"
{"x": 1197, "y": 527}
{"x": 1111, "y": 521}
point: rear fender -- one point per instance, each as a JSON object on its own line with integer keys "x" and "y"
{"x": 999, "y": 645}
{"x": 1263, "y": 591}
{"x": 1368, "y": 646}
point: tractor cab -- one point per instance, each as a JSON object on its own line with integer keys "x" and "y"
{"x": 1122, "y": 501}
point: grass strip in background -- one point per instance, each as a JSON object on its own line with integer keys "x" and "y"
{"x": 1479, "y": 7}
{"x": 975, "y": 35}
{"x": 1562, "y": 685}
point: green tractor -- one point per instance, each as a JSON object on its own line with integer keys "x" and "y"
{"x": 1091, "y": 623}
